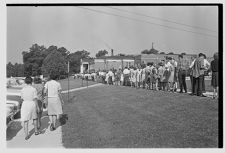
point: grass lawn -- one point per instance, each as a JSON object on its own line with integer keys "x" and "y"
{"x": 74, "y": 83}
{"x": 122, "y": 117}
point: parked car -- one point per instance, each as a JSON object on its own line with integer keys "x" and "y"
{"x": 13, "y": 106}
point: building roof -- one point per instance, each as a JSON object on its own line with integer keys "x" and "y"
{"x": 116, "y": 57}
{"x": 89, "y": 60}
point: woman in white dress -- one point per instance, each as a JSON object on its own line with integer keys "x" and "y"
{"x": 54, "y": 99}
{"x": 29, "y": 106}
{"x": 139, "y": 72}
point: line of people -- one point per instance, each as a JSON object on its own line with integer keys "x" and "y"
{"x": 166, "y": 75}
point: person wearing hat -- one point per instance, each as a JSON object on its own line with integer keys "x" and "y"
{"x": 206, "y": 68}
{"x": 198, "y": 73}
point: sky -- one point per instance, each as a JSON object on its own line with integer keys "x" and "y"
{"x": 128, "y": 30}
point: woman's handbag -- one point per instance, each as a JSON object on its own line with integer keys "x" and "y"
{"x": 63, "y": 118}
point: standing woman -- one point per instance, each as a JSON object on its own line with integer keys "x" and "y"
{"x": 39, "y": 87}
{"x": 214, "y": 69}
{"x": 55, "y": 101}
{"x": 29, "y": 107}
{"x": 171, "y": 78}
{"x": 139, "y": 72}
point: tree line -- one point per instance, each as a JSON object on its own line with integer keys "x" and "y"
{"x": 41, "y": 60}
{"x": 154, "y": 51}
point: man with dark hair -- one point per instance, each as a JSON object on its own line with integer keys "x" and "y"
{"x": 206, "y": 68}
{"x": 198, "y": 71}
{"x": 181, "y": 67}
{"x": 126, "y": 73}
{"x": 53, "y": 76}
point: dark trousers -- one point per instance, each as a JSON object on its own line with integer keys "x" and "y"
{"x": 182, "y": 80}
{"x": 203, "y": 84}
{"x": 126, "y": 80}
{"x": 193, "y": 90}
{"x": 197, "y": 84}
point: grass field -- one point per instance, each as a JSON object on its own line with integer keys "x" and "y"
{"x": 121, "y": 117}
{"x": 74, "y": 83}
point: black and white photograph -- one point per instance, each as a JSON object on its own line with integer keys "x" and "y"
{"x": 113, "y": 75}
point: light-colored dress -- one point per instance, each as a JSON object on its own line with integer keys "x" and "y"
{"x": 28, "y": 109}
{"x": 139, "y": 72}
{"x": 172, "y": 72}
{"x": 143, "y": 76}
{"x": 54, "y": 103}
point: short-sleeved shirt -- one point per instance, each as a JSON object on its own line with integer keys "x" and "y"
{"x": 214, "y": 65}
{"x": 28, "y": 93}
{"x": 53, "y": 88}
{"x": 39, "y": 88}
{"x": 126, "y": 71}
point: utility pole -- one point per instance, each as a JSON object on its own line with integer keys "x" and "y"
{"x": 68, "y": 70}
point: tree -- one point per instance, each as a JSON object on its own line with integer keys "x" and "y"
{"x": 55, "y": 63}
{"x": 63, "y": 51}
{"x": 153, "y": 51}
{"x": 162, "y": 53}
{"x": 183, "y": 53}
{"x": 33, "y": 59}
{"x": 10, "y": 70}
{"x": 16, "y": 70}
{"x": 145, "y": 51}
{"x": 170, "y": 53}
{"x": 101, "y": 53}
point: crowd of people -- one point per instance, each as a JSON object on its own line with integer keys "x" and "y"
{"x": 167, "y": 75}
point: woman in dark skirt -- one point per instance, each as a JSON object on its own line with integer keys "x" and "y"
{"x": 40, "y": 89}
{"x": 214, "y": 69}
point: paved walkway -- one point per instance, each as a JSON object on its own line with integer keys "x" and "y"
{"x": 47, "y": 139}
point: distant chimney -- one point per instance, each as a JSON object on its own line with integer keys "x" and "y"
{"x": 111, "y": 52}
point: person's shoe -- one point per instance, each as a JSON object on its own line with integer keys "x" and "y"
{"x": 51, "y": 127}
{"x": 37, "y": 133}
{"x": 27, "y": 137}
{"x": 181, "y": 92}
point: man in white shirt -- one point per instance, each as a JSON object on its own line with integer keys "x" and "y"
{"x": 126, "y": 73}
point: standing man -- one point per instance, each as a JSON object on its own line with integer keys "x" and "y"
{"x": 198, "y": 72}
{"x": 126, "y": 73}
{"x": 181, "y": 67}
{"x": 206, "y": 68}
{"x": 191, "y": 77}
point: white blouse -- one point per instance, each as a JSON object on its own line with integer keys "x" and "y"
{"x": 53, "y": 87}
{"x": 28, "y": 93}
